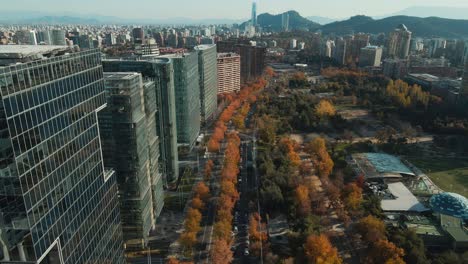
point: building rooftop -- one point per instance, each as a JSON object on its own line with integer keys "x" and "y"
{"x": 120, "y": 75}
{"x": 451, "y": 204}
{"x": 454, "y": 226}
{"x": 424, "y": 76}
{"x": 401, "y": 199}
{"x": 380, "y": 165}
{"x": 205, "y": 46}
{"x": 10, "y": 54}
{"x": 228, "y": 55}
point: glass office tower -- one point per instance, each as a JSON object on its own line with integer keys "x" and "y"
{"x": 161, "y": 71}
{"x": 57, "y": 203}
{"x": 130, "y": 145}
{"x": 207, "y": 67}
{"x": 187, "y": 98}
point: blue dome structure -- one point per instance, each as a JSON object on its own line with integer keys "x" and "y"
{"x": 451, "y": 204}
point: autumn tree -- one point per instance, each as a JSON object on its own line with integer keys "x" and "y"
{"x": 287, "y": 146}
{"x": 302, "y": 199}
{"x": 318, "y": 249}
{"x": 325, "y": 109}
{"x": 213, "y": 145}
{"x": 221, "y": 252}
{"x": 352, "y": 196}
{"x": 269, "y": 72}
{"x": 323, "y": 162}
{"x": 197, "y": 203}
{"x": 384, "y": 251}
{"x": 202, "y": 191}
{"x": 188, "y": 240}
{"x": 371, "y": 229}
{"x": 192, "y": 220}
{"x": 256, "y": 227}
{"x": 209, "y": 169}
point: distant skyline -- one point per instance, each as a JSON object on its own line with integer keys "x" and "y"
{"x": 157, "y": 9}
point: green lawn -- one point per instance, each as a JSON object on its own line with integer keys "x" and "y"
{"x": 449, "y": 174}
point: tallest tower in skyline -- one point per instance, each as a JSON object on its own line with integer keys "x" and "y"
{"x": 254, "y": 14}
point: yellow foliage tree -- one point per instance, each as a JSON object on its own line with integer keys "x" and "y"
{"x": 318, "y": 249}
{"x": 325, "y": 109}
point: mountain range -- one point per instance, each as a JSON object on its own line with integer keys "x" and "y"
{"x": 421, "y": 27}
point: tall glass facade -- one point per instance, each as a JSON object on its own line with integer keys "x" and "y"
{"x": 57, "y": 203}
{"x": 187, "y": 98}
{"x": 207, "y": 67}
{"x": 160, "y": 71}
{"x": 131, "y": 146}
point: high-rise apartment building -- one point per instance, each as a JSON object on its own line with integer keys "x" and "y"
{"x": 339, "y": 52}
{"x": 138, "y": 35}
{"x": 354, "y": 45}
{"x": 229, "y": 80}
{"x": 252, "y": 61}
{"x": 44, "y": 37}
{"x": 187, "y": 98}
{"x": 130, "y": 145}
{"x": 26, "y": 37}
{"x": 395, "y": 68}
{"x": 207, "y": 68}
{"x": 161, "y": 71}
{"x": 399, "y": 41}
{"x": 293, "y": 44}
{"x": 370, "y": 56}
{"x": 57, "y": 202}
{"x": 58, "y": 37}
{"x": 252, "y": 57}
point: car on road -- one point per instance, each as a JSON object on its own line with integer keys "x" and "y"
{"x": 246, "y": 252}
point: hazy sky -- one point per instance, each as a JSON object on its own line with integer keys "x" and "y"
{"x": 220, "y": 8}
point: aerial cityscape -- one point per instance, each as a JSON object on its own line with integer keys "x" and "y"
{"x": 217, "y": 132}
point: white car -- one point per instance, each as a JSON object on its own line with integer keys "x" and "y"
{"x": 246, "y": 252}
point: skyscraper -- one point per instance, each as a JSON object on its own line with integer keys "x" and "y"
{"x": 44, "y": 37}
{"x": 340, "y": 50}
{"x": 207, "y": 69}
{"x": 57, "y": 202}
{"x": 58, "y": 37}
{"x": 229, "y": 80}
{"x": 370, "y": 56}
{"x": 285, "y": 21}
{"x": 187, "y": 98}
{"x": 253, "y": 19}
{"x": 130, "y": 146}
{"x": 138, "y": 35}
{"x": 399, "y": 41}
{"x": 161, "y": 71}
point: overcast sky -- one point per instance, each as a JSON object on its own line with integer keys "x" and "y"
{"x": 221, "y": 8}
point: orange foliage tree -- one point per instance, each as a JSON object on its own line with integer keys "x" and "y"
{"x": 352, "y": 196}
{"x": 209, "y": 169}
{"x": 302, "y": 199}
{"x": 288, "y": 146}
{"x": 197, "y": 203}
{"x": 202, "y": 191}
{"x": 221, "y": 252}
{"x": 322, "y": 160}
{"x": 371, "y": 229}
{"x": 384, "y": 251}
{"x": 318, "y": 249}
{"x": 256, "y": 227}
